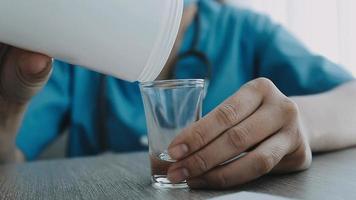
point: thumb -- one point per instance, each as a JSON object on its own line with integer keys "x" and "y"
{"x": 22, "y": 74}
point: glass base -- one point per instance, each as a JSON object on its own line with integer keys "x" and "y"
{"x": 161, "y": 182}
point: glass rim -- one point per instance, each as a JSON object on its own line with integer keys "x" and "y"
{"x": 173, "y": 83}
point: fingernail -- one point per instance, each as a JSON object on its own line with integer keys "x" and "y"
{"x": 35, "y": 73}
{"x": 178, "y": 152}
{"x": 46, "y": 70}
{"x": 178, "y": 175}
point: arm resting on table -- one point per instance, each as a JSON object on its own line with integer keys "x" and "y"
{"x": 330, "y": 118}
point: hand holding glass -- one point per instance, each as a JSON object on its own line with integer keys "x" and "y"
{"x": 170, "y": 106}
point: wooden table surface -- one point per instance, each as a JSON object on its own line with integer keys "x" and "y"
{"x": 126, "y": 176}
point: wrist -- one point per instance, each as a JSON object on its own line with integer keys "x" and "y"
{"x": 307, "y": 132}
{"x": 10, "y": 119}
{"x": 7, "y": 150}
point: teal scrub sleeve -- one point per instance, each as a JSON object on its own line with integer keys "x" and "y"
{"x": 288, "y": 63}
{"x": 47, "y": 113}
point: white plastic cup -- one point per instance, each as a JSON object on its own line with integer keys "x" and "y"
{"x": 128, "y": 39}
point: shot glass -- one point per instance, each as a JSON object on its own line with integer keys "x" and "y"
{"x": 170, "y": 106}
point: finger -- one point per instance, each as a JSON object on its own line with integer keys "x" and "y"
{"x": 256, "y": 128}
{"x": 298, "y": 160}
{"x": 231, "y": 112}
{"x": 23, "y": 73}
{"x": 255, "y": 164}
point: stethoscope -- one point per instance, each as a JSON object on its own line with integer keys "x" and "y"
{"x": 193, "y": 52}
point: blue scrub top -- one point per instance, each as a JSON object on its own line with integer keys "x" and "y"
{"x": 105, "y": 113}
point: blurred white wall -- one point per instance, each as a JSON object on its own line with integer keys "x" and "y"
{"x": 327, "y": 27}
